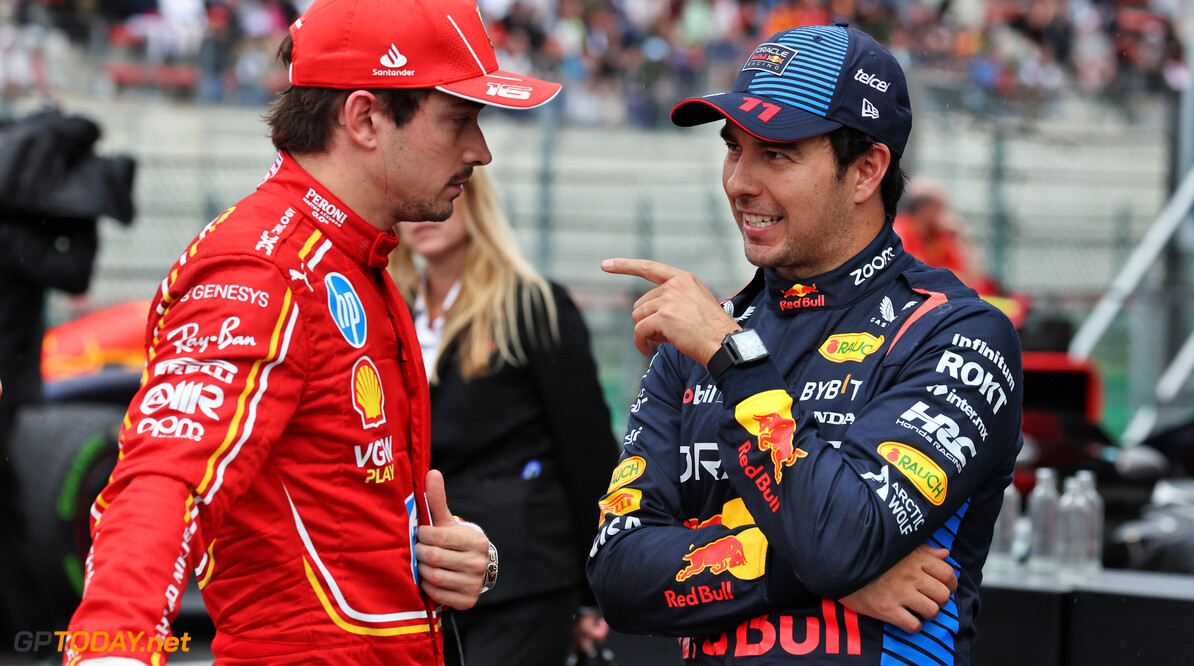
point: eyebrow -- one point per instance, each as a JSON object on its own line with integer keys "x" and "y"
{"x": 773, "y": 145}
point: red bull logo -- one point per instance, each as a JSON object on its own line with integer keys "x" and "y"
{"x": 698, "y": 594}
{"x": 800, "y": 291}
{"x": 718, "y": 557}
{"x": 775, "y": 435}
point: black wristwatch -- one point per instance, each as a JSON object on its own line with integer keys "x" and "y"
{"x": 739, "y": 348}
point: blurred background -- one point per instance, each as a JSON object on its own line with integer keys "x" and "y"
{"x": 1062, "y": 132}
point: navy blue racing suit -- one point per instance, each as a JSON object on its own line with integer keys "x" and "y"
{"x": 887, "y": 415}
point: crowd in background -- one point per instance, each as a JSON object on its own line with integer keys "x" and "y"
{"x": 627, "y": 61}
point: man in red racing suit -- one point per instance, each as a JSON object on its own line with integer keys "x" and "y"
{"x": 278, "y": 444}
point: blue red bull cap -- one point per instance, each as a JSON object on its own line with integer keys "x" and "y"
{"x": 808, "y": 81}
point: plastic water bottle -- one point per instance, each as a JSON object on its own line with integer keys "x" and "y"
{"x": 1074, "y": 549}
{"x": 1003, "y": 541}
{"x": 1042, "y": 512}
{"x": 1086, "y": 480}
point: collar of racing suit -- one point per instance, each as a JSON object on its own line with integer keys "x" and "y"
{"x": 352, "y": 234}
{"x": 876, "y": 265}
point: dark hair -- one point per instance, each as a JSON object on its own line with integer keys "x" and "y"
{"x": 302, "y": 119}
{"x": 849, "y": 144}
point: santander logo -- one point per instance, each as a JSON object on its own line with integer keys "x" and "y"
{"x": 393, "y": 58}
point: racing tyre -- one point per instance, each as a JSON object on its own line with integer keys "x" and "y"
{"x": 63, "y": 455}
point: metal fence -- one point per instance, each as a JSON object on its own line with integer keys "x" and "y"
{"x": 1054, "y": 207}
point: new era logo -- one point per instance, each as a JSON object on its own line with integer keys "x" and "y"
{"x": 868, "y": 109}
{"x": 393, "y": 58}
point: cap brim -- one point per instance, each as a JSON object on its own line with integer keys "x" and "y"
{"x": 758, "y": 115}
{"x": 504, "y": 89}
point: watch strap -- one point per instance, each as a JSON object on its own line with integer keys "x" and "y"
{"x": 719, "y": 362}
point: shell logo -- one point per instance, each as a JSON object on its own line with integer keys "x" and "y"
{"x": 368, "y": 399}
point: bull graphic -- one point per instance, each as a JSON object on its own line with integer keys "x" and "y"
{"x": 800, "y": 291}
{"x": 776, "y": 434}
{"x": 718, "y": 557}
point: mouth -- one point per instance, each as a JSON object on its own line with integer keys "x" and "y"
{"x": 759, "y": 222}
{"x": 461, "y": 179}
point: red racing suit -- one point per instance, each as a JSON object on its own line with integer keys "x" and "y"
{"x": 277, "y": 447}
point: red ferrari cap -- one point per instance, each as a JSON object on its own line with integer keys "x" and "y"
{"x": 441, "y": 44}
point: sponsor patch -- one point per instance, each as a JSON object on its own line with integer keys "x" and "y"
{"x": 368, "y": 398}
{"x": 628, "y": 470}
{"x": 346, "y": 309}
{"x": 770, "y": 57}
{"x": 620, "y": 502}
{"x": 842, "y": 347}
{"x": 925, "y": 475}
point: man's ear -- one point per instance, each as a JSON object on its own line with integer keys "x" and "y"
{"x": 872, "y": 166}
{"x": 358, "y": 117}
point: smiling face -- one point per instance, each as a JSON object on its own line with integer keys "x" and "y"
{"x": 430, "y": 158}
{"x": 795, "y": 214}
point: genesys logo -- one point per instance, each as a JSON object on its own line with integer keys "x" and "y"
{"x": 229, "y": 292}
{"x": 628, "y": 470}
{"x": 368, "y": 398}
{"x": 925, "y": 475}
{"x": 843, "y": 347}
{"x": 346, "y": 309}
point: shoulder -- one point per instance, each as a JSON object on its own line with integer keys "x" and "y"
{"x": 951, "y": 311}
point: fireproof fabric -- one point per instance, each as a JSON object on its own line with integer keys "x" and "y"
{"x": 887, "y": 416}
{"x": 277, "y": 446}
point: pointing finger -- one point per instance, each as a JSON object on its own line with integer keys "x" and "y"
{"x": 652, "y": 271}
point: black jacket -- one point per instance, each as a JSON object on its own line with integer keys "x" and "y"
{"x": 526, "y": 452}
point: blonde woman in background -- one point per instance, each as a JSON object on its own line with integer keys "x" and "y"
{"x": 519, "y": 426}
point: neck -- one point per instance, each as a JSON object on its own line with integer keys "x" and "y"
{"x": 442, "y": 272}
{"x": 346, "y": 179}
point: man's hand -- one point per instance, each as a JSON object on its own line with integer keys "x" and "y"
{"x": 452, "y": 555}
{"x": 916, "y": 588}
{"x": 680, "y": 310}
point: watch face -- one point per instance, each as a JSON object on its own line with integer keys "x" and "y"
{"x": 749, "y": 345}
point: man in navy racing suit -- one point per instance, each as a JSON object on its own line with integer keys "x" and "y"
{"x": 797, "y": 455}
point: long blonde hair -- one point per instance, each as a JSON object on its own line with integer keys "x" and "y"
{"x": 484, "y": 317}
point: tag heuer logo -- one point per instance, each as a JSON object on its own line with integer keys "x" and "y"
{"x": 869, "y": 110}
{"x": 393, "y": 58}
